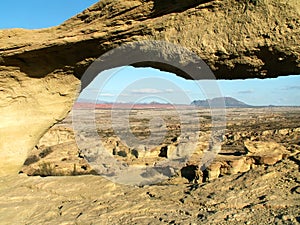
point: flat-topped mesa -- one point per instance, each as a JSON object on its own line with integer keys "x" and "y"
{"x": 39, "y": 69}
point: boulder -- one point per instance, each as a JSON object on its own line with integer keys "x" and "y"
{"x": 265, "y": 152}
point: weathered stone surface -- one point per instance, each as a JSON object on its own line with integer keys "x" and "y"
{"x": 213, "y": 171}
{"x": 39, "y": 68}
{"x": 252, "y": 148}
{"x": 59, "y": 160}
{"x": 28, "y": 107}
{"x": 261, "y": 196}
{"x": 56, "y": 154}
{"x": 267, "y": 153}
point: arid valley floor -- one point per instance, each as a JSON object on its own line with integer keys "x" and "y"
{"x": 254, "y": 178}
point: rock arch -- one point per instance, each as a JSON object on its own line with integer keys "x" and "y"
{"x": 40, "y": 69}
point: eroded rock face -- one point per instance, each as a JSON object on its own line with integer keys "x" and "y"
{"x": 39, "y": 68}
{"x": 265, "y": 153}
{"x": 28, "y": 107}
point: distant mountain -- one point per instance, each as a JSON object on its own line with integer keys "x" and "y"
{"x": 219, "y": 102}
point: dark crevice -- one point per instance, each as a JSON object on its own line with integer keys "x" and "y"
{"x": 205, "y": 176}
{"x": 122, "y": 12}
{"x": 231, "y": 153}
{"x": 164, "y": 7}
{"x": 163, "y": 152}
{"x": 189, "y": 172}
{"x": 295, "y": 160}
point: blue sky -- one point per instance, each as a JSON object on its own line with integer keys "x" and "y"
{"x": 32, "y": 14}
{"x": 145, "y": 84}
{"x": 130, "y": 84}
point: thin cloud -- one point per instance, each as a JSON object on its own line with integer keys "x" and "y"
{"x": 246, "y": 92}
{"x": 95, "y": 91}
{"x": 143, "y": 91}
{"x": 169, "y": 90}
{"x": 106, "y": 95}
{"x": 292, "y": 87}
{"x": 124, "y": 94}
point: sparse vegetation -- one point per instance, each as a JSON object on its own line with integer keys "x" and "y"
{"x": 46, "y": 169}
{"x": 31, "y": 159}
{"x": 45, "y": 152}
{"x": 74, "y": 172}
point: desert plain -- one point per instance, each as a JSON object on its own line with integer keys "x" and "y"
{"x": 253, "y": 179}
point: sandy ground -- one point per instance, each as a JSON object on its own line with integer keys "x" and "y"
{"x": 265, "y": 194}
